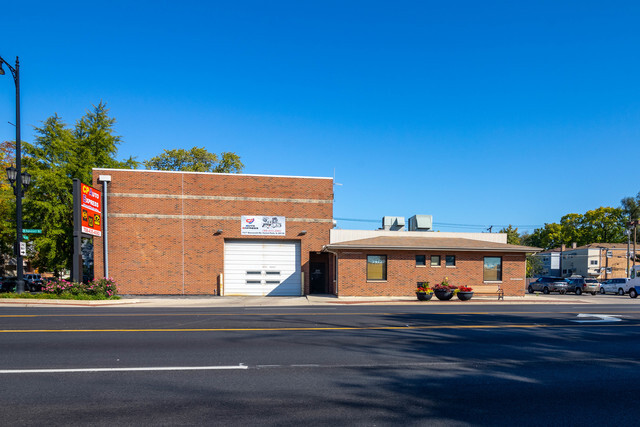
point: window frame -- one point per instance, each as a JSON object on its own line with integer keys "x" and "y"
{"x": 484, "y": 269}
{"x": 439, "y": 264}
{"x": 424, "y": 261}
{"x": 384, "y": 271}
{"x": 446, "y": 261}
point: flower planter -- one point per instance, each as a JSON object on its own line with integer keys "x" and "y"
{"x": 424, "y": 296}
{"x": 443, "y": 295}
{"x": 464, "y": 296}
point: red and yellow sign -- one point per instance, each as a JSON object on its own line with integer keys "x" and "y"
{"x": 91, "y": 205}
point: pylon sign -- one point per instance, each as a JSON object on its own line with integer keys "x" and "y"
{"x": 91, "y": 206}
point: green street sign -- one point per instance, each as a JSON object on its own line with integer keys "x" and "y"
{"x": 32, "y": 230}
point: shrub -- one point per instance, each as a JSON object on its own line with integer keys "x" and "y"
{"x": 97, "y": 289}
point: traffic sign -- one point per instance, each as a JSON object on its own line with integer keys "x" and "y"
{"x": 32, "y": 230}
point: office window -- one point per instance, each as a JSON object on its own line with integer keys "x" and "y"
{"x": 492, "y": 271}
{"x": 376, "y": 267}
{"x": 450, "y": 260}
{"x": 421, "y": 260}
{"x": 435, "y": 260}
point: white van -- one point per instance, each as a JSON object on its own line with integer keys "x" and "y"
{"x": 634, "y": 282}
{"x": 618, "y": 286}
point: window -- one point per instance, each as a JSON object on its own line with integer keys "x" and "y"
{"x": 450, "y": 260}
{"x": 421, "y": 260}
{"x": 492, "y": 271}
{"x": 594, "y": 262}
{"x": 376, "y": 267}
{"x": 435, "y": 260}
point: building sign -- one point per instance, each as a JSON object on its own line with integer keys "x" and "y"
{"x": 91, "y": 205}
{"x": 257, "y": 225}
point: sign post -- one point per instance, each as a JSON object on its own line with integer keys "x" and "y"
{"x": 87, "y": 221}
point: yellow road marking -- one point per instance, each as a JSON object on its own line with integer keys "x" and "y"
{"x": 484, "y": 313}
{"x": 335, "y": 328}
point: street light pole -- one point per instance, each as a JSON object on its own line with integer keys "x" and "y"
{"x": 18, "y": 188}
{"x": 628, "y": 232}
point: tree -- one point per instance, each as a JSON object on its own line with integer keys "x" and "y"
{"x": 58, "y": 155}
{"x": 513, "y": 237}
{"x": 7, "y": 203}
{"x": 604, "y": 225}
{"x": 631, "y": 207}
{"x": 534, "y": 266}
{"x": 195, "y": 160}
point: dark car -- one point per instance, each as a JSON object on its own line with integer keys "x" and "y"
{"x": 33, "y": 282}
{"x": 8, "y": 284}
{"x": 581, "y": 284}
{"x": 547, "y": 284}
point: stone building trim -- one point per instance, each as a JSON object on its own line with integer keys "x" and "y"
{"x": 218, "y": 198}
{"x": 206, "y": 217}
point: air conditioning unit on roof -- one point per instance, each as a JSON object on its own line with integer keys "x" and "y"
{"x": 421, "y": 223}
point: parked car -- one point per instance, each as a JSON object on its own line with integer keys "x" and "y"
{"x": 8, "y": 284}
{"x": 582, "y": 284}
{"x": 547, "y": 284}
{"x": 33, "y": 282}
{"x": 618, "y": 286}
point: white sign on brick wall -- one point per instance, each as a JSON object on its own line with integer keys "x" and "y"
{"x": 258, "y": 225}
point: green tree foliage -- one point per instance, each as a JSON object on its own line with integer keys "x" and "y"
{"x": 534, "y": 266}
{"x": 513, "y": 237}
{"x": 195, "y": 160}
{"x": 631, "y": 207}
{"x": 58, "y": 155}
{"x": 602, "y": 225}
{"x": 7, "y": 202}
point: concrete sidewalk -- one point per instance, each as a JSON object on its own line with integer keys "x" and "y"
{"x": 314, "y": 300}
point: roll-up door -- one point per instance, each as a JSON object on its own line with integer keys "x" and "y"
{"x": 261, "y": 267}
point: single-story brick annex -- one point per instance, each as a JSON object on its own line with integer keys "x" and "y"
{"x": 191, "y": 233}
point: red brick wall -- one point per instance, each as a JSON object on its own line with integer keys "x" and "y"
{"x": 403, "y": 274}
{"x": 178, "y": 255}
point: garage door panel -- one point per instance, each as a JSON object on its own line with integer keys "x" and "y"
{"x": 262, "y": 268}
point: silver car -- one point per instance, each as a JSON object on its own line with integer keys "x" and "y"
{"x": 547, "y": 284}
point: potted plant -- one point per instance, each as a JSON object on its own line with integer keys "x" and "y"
{"x": 444, "y": 291}
{"x": 424, "y": 291}
{"x": 464, "y": 293}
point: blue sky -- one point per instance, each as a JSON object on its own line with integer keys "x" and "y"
{"x": 478, "y": 113}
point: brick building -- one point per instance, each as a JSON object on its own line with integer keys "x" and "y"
{"x": 189, "y": 233}
{"x": 390, "y": 263}
{"x": 182, "y": 233}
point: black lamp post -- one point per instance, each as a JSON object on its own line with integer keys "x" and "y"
{"x": 17, "y": 175}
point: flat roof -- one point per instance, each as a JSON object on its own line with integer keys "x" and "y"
{"x": 211, "y": 173}
{"x": 429, "y": 243}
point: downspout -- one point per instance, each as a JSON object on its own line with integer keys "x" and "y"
{"x": 324, "y": 249}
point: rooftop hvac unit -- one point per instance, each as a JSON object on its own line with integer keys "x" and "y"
{"x": 421, "y": 223}
{"x": 393, "y": 223}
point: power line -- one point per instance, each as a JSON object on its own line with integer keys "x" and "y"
{"x": 449, "y": 224}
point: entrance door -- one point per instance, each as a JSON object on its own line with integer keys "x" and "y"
{"x": 318, "y": 278}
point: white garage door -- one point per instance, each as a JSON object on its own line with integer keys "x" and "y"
{"x": 261, "y": 267}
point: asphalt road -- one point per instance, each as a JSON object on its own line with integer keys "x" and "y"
{"x": 365, "y": 365}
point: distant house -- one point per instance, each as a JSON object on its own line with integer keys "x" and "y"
{"x": 597, "y": 260}
{"x": 550, "y": 262}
